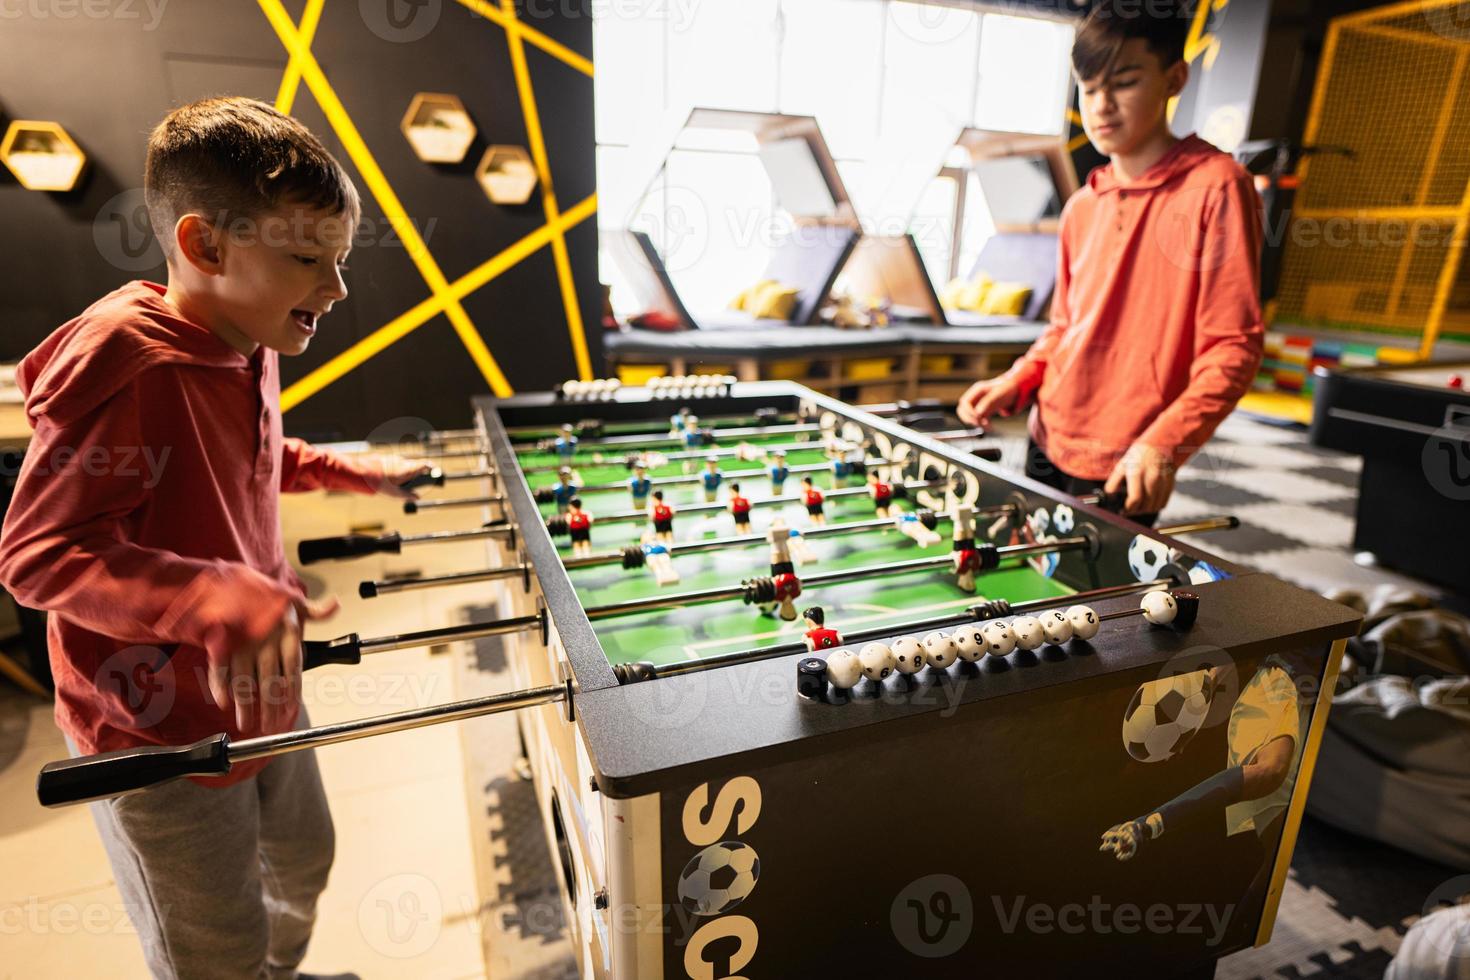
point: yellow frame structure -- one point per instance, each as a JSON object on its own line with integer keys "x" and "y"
{"x": 444, "y": 296}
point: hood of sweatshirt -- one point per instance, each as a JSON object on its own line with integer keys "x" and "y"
{"x": 95, "y": 355}
{"x": 1182, "y": 157}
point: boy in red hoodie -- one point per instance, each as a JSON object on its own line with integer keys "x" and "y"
{"x": 1156, "y": 322}
{"x": 146, "y": 521}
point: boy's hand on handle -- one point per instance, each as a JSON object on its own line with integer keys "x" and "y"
{"x": 984, "y": 398}
{"x": 1148, "y": 475}
{"x": 402, "y": 476}
{"x": 262, "y": 680}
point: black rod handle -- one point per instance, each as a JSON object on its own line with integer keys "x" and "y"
{"x": 342, "y": 650}
{"x": 97, "y": 777}
{"x": 433, "y": 478}
{"x": 347, "y": 546}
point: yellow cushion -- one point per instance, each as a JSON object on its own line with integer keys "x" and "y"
{"x": 773, "y": 302}
{"x": 966, "y": 294}
{"x": 742, "y": 300}
{"x": 1006, "y": 299}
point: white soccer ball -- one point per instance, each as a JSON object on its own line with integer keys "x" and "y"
{"x": 844, "y": 669}
{"x": 719, "y": 878}
{"x": 1164, "y": 715}
{"x": 878, "y": 661}
{"x": 909, "y": 655}
{"x": 1056, "y": 626}
{"x": 1000, "y": 639}
{"x": 1029, "y": 634}
{"x": 1063, "y": 520}
{"x": 969, "y": 641}
{"x": 1147, "y": 558}
{"x": 940, "y": 650}
{"x": 1084, "y": 622}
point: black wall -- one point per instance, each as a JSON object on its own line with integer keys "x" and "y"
{"x": 108, "y": 79}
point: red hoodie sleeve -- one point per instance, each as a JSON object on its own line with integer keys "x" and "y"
{"x": 63, "y": 548}
{"x": 306, "y": 467}
{"x": 1030, "y": 368}
{"x": 1229, "y": 335}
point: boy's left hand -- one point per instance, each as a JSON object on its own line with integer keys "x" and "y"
{"x": 1149, "y": 476}
{"x": 397, "y": 472}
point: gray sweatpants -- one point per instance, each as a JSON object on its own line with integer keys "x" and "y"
{"x": 222, "y": 883}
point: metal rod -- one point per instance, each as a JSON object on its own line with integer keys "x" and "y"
{"x": 434, "y": 537}
{"x": 648, "y": 671}
{"x": 428, "y": 638}
{"x": 735, "y": 476}
{"x": 471, "y": 475}
{"x": 722, "y": 453}
{"x": 266, "y": 746}
{"x": 623, "y": 517}
{"x": 370, "y": 589}
{"x": 652, "y": 439}
{"x": 414, "y": 506}
{"x": 1203, "y": 524}
{"x": 644, "y": 427}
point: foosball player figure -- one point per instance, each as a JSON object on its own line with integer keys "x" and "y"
{"x": 800, "y": 550}
{"x": 836, "y": 451}
{"x": 711, "y": 478}
{"x": 639, "y": 484}
{"x": 881, "y": 493}
{"x": 739, "y": 509}
{"x": 747, "y": 452}
{"x": 779, "y": 471}
{"x": 693, "y": 436}
{"x": 779, "y": 535}
{"x": 812, "y": 497}
{"x": 788, "y": 590}
{"x": 676, "y": 422}
{"x": 818, "y": 636}
{"x": 579, "y": 523}
{"x": 662, "y": 516}
{"x": 911, "y": 526}
{"x": 566, "y": 488}
{"x": 566, "y": 443}
{"x": 656, "y": 556}
{"x": 966, "y": 555}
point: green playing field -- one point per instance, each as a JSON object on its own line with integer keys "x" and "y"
{"x": 672, "y": 635}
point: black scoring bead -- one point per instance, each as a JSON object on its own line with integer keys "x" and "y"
{"x": 1188, "y": 603}
{"x": 811, "y": 678}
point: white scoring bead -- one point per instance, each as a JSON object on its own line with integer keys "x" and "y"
{"x": 1084, "y": 622}
{"x": 1158, "y": 608}
{"x": 843, "y": 669}
{"x": 969, "y": 640}
{"x": 1056, "y": 626}
{"x": 909, "y": 655}
{"x": 614, "y": 384}
{"x": 940, "y": 650}
{"x": 878, "y": 661}
{"x": 1000, "y": 639}
{"x": 910, "y": 651}
{"x": 1029, "y": 634}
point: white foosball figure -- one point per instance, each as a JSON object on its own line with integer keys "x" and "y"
{"x": 656, "y": 556}
{"x": 748, "y": 452}
{"x": 779, "y": 536}
{"x": 911, "y": 527}
{"x": 799, "y": 549}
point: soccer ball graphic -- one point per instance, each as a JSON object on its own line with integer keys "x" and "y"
{"x": 1146, "y": 558}
{"x": 1063, "y": 520}
{"x": 1164, "y": 715}
{"x": 719, "y": 878}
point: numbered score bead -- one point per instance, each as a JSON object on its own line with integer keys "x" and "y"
{"x": 1056, "y": 626}
{"x": 969, "y": 640}
{"x": 1029, "y": 634}
{"x": 1159, "y": 608}
{"x": 1000, "y": 639}
{"x": 908, "y": 655}
{"x": 877, "y": 661}
{"x": 940, "y": 650}
{"x": 1084, "y": 622}
{"x": 844, "y": 669}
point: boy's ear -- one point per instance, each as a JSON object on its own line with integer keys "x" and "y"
{"x": 1177, "y": 77}
{"x": 197, "y": 242}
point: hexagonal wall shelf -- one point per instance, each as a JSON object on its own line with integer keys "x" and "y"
{"x": 507, "y": 174}
{"x": 42, "y": 155}
{"x": 438, "y": 128}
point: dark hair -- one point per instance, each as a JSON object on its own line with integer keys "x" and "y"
{"x": 229, "y": 158}
{"x": 575, "y": 502}
{"x": 1162, "y": 24}
{"x": 658, "y": 495}
{"x": 734, "y": 488}
{"x": 815, "y": 614}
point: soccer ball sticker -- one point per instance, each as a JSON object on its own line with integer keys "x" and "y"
{"x": 1164, "y": 715}
{"x": 719, "y": 878}
{"x": 1147, "y": 558}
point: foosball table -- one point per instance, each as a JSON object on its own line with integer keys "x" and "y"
{"x": 807, "y": 692}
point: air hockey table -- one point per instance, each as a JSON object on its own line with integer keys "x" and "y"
{"x": 1411, "y": 425}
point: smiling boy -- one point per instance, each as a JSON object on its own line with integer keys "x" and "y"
{"x": 174, "y": 613}
{"x": 1156, "y": 325}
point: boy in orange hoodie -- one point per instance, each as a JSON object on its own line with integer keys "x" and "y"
{"x": 146, "y": 521}
{"x": 1156, "y": 322}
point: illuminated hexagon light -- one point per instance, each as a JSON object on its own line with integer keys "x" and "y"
{"x": 42, "y": 155}
{"x": 507, "y": 174}
{"x": 438, "y": 127}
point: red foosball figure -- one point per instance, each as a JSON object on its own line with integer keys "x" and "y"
{"x": 881, "y": 493}
{"x": 662, "y": 516}
{"x": 579, "y": 523}
{"x": 788, "y": 588}
{"x": 966, "y": 564}
{"x": 818, "y": 636}
{"x": 812, "y": 497}
{"x": 739, "y": 508}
